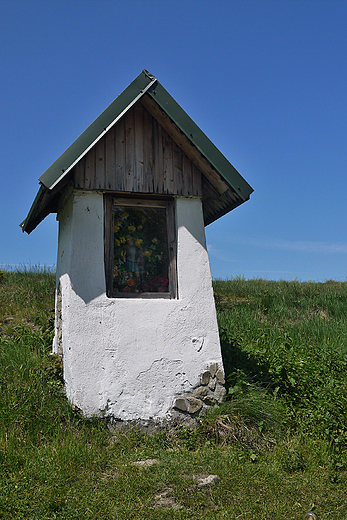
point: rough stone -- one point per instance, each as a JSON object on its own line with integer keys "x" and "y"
{"x": 179, "y": 420}
{"x": 194, "y": 404}
{"x": 213, "y": 369}
{"x": 209, "y": 400}
{"x": 206, "y": 480}
{"x": 148, "y": 426}
{"x": 212, "y": 383}
{"x": 205, "y": 377}
{"x": 165, "y": 500}
{"x": 220, "y": 377}
{"x": 145, "y": 463}
{"x": 210, "y": 393}
{"x": 181, "y": 404}
{"x": 200, "y": 392}
{"x": 219, "y": 392}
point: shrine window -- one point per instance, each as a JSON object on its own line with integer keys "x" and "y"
{"x": 140, "y": 248}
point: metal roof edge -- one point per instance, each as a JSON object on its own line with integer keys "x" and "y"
{"x": 200, "y": 140}
{"x": 95, "y": 131}
{"x": 24, "y": 225}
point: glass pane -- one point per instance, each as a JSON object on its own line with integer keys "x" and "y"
{"x": 140, "y": 262}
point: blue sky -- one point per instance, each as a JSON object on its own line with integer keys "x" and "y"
{"x": 264, "y": 79}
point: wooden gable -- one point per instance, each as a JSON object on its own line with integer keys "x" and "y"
{"x": 138, "y": 156}
{"x": 143, "y": 142}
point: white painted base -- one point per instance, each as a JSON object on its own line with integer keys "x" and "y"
{"x": 130, "y": 358}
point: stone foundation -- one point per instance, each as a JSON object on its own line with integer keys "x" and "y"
{"x": 211, "y": 391}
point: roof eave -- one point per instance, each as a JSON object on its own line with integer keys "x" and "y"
{"x": 40, "y": 208}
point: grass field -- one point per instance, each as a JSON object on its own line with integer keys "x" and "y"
{"x": 277, "y": 445}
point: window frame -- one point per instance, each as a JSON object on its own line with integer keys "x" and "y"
{"x": 137, "y": 201}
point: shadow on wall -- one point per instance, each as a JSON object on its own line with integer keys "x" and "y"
{"x": 86, "y": 279}
{"x": 89, "y": 283}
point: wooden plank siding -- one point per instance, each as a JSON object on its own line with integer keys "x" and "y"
{"x": 138, "y": 156}
{"x": 184, "y": 144}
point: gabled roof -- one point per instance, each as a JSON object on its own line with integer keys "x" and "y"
{"x": 223, "y": 182}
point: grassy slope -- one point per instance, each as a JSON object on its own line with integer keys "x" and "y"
{"x": 278, "y": 444}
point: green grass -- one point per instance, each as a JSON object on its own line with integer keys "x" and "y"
{"x": 291, "y": 338}
{"x": 26, "y": 298}
{"x": 278, "y": 444}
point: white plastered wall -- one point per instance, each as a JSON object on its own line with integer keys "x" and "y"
{"x": 130, "y": 358}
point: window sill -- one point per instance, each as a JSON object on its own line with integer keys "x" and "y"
{"x": 142, "y": 296}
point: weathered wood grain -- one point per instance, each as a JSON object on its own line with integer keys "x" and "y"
{"x": 110, "y": 161}
{"x": 138, "y": 156}
{"x": 184, "y": 143}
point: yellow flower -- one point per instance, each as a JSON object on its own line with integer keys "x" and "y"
{"x": 132, "y": 228}
{"x": 154, "y": 240}
{"x": 125, "y": 214}
{"x": 116, "y": 229}
{"x": 117, "y": 242}
{"x": 138, "y": 242}
{"x": 115, "y": 271}
{"x": 122, "y": 239}
{"x": 148, "y": 254}
{"x": 139, "y": 227}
